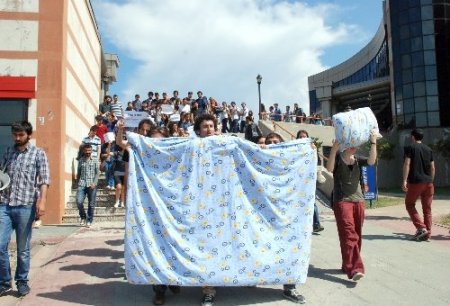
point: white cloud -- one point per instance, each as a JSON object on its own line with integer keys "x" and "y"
{"x": 219, "y": 46}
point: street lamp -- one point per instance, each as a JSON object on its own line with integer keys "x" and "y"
{"x": 258, "y": 80}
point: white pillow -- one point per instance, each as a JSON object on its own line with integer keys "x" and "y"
{"x": 353, "y": 128}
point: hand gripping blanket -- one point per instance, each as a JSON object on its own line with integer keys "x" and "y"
{"x": 218, "y": 211}
{"x": 353, "y": 128}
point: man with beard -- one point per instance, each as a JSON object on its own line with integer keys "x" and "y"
{"x": 20, "y": 202}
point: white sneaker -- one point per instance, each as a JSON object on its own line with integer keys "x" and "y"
{"x": 121, "y": 204}
{"x": 83, "y": 222}
{"x": 88, "y": 224}
{"x": 37, "y": 224}
{"x": 117, "y": 204}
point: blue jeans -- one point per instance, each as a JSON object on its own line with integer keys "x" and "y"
{"x": 18, "y": 218}
{"x": 316, "y": 217}
{"x": 81, "y": 195}
{"x": 109, "y": 175}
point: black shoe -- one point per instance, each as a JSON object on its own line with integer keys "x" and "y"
{"x": 317, "y": 229}
{"x": 175, "y": 289}
{"x": 420, "y": 234}
{"x": 294, "y": 296}
{"x": 159, "y": 298}
{"x": 208, "y": 300}
{"x": 4, "y": 289}
{"x": 23, "y": 288}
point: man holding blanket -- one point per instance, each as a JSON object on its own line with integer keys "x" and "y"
{"x": 218, "y": 211}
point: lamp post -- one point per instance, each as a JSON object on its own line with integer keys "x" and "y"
{"x": 258, "y": 80}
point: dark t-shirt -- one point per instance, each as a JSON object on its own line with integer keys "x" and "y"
{"x": 347, "y": 180}
{"x": 420, "y": 167}
{"x": 126, "y": 156}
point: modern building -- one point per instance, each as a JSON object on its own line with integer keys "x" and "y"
{"x": 53, "y": 73}
{"x": 402, "y": 74}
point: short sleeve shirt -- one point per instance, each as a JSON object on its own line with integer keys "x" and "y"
{"x": 420, "y": 167}
{"x": 347, "y": 180}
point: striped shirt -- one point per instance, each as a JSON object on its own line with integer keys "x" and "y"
{"x": 116, "y": 109}
{"x": 28, "y": 171}
{"x": 88, "y": 172}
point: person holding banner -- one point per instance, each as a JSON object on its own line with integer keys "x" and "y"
{"x": 348, "y": 203}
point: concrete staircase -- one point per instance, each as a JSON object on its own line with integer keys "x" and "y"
{"x": 104, "y": 210}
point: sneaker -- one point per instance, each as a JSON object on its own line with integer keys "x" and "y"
{"x": 4, "y": 289}
{"x": 112, "y": 188}
{"x": 83, "y": 222}
{"x": 317, "y": 229}
{"x": 294, "y": 296}
{"x": 357, "y": 276}
{"x": 88, "y": 224}
{"x": 108, "y": 187}
{"x": 121, "y": 204}
{"x": 116, "y": 204}
{"x": 37, "y": 224}
{"x": 23, "y": 288}
{"x": 208, "y": 300}
{"x": 420, "y": 234}
{"x": 159, "y": 298}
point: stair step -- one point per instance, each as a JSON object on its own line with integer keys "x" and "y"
{"x": 75, "y": 219}
{"x": 98, "y": 210}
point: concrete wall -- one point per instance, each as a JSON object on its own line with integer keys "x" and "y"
{"x": 57, "y": 43}
{"x": 82, "y": 81}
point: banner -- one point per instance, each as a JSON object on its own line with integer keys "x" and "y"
{"x": 218, "y": 211}
{"x": 369, "y": 176}
{"x": 132, "y": 118}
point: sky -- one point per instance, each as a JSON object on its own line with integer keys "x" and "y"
{"x": 220, "y": 46}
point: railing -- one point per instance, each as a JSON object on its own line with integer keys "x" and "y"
{"x": 275, "y": 125}
{"x": 302, "y": 119}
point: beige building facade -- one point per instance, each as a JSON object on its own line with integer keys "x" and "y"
{"x": 52, "y": 73}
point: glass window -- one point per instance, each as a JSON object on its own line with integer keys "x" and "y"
{"x": 416, "y": 44}
{"x": 406, "y": 61}
{"x": 403, "y": 5}
{"x": 427, "y": 27}
{"x": 423, "y": 2}
{"x": 404, "y": 32}
{"x": 408, "y": 106}
{"x": 417, "y": 58}
{"x": 438, "y": 11}
{"x": 419, "y": 89}
{"x": 405, "y": 47}
{"x": 403, "y": 18}
{"x": 413, "y": 3}
{"x": 418, "y": 74}
{"x": 410, "y": 120}
{"x": 10, "y": 111}
{"x": 428, "y": 42}
{"x": 407, "y": 91}
{"x": 420, "y": 104}
{"x": 414, "y": 14}
{"x": 430, "y": 73}
{"x": 432, "y": 103}
{"x": 432, "y": 88}
{"x": 398, "y": 107}
{"x": 427, "y": 12}
{"x": 416, "y": 29}
{"x": 407, "y": 76}
{"x": 430, "y": 57}
{"x": 398, "y": 93}
{"x": 433, "y": 119}
{"x": 421, "y": 119}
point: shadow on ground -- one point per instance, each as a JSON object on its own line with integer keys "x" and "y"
{"x": 122, "y": 293}
{"x": 331, "y": 276}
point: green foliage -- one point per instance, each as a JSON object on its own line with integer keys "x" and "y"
{"x": 442, "y": 146}
{"x": 316, "y": 142}
{"x": 385, "y": 149}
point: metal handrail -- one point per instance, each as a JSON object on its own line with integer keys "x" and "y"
{"x": 275, "y": 124}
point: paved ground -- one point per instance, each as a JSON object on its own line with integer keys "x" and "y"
{"x": 73, "y": 266}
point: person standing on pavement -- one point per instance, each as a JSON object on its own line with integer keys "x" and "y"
{"x": 317, "y": 226}
{"x": 87, "y": 179}
{"x": 418, "y": 177}
{"x": 348, "y": 203}
{"x": 24, "y": 198}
